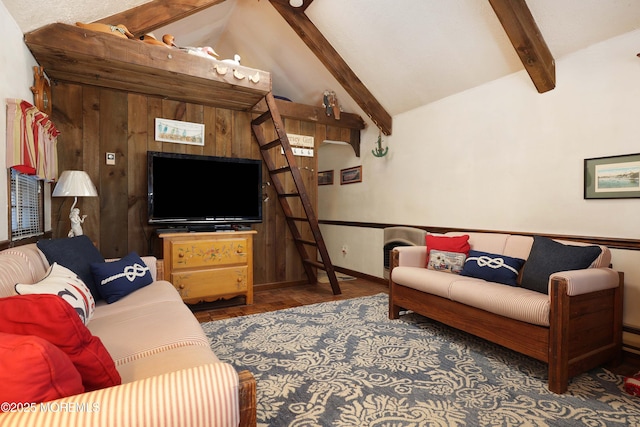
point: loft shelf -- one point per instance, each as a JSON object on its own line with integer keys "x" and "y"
{"x": 73, "y": 54}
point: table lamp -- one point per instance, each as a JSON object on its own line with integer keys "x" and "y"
{"x": 76, "y": 184}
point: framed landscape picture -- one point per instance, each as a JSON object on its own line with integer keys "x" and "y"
{"x": 325, "y": 177}
{"x": 614, "y": 177}
{"x": 351, "y": 175}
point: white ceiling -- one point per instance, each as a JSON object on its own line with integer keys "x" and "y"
{"x": 407, "y": 52}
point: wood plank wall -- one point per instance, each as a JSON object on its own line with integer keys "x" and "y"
{"x": 94, "y": 121}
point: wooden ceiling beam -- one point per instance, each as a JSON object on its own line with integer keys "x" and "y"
{"x": 522, "y": 30}
{"x": 334, "y": 63}
{"x": 150, "y": 16}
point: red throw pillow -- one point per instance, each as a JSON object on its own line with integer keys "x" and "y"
{"x": 53, "y": 319}
{"x": 459, "y": 244}
{"x": 34, "y": 370}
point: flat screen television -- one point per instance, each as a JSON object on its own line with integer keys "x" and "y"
{"x": 203, "y": 191}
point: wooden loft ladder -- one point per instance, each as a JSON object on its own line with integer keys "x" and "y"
{"x": 294, "y": 215}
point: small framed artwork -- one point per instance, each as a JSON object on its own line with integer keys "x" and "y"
{"x": 325, "y": 177}
{"x": 614, "y": 177}
{"x": 179, "y": 132}
{"x": 351, "y": 175}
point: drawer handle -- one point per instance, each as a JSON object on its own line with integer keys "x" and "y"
{"x": 240, "y": 279}
{"x": 181, "y": 286}
{"x": 181, "y": 255}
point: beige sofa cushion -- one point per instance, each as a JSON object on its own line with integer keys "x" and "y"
{"x": 509, "y": 301}
{"x": 434, "y": 282}
{"x": 158, "y": 291}
{"x": 148, "y": 329}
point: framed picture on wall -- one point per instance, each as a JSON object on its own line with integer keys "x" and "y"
{"x": 179, "y": 132}
{"x": 325, "y": 177}
{"x": 614, "y": 177}
{"x": 351, "y": 175}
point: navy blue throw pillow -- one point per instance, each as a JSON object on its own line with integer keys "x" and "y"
{"x": 548, "y": 256}
{"x": 75, "y": 253}
{"x": 117, "y": 279}
{"x": 492, "y": 267}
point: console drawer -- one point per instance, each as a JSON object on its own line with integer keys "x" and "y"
{"x": 205, "y": 253}
{"x": 199, "y": 284}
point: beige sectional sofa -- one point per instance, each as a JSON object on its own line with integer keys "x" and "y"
{"x": 573, "y": 325}
{"x": 168, "y": 372}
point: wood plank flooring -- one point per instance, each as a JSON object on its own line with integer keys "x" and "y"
{"x": 276, "y": 299}
{"x": 280, "y": 298}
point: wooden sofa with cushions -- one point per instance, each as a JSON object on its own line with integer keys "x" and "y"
{"x": 166, "y": 371}
{"x": 573, "y": 325}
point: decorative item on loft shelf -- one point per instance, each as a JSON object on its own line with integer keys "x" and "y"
{"x": 75, "y": 184}
{"x": 614, "y": 177}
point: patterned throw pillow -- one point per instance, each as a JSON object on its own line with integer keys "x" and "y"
{"x": 451, "y": 262}
{"x": 459, "y": 244}
{"x": 492, "y": 267}
{"x": 117, "y": 279}
{"x": 66, "y": 284}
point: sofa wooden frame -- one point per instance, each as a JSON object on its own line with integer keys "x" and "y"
{"x": 585, "y": 330}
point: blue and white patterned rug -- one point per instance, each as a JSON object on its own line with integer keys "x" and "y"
{"x": 345, "y": 363}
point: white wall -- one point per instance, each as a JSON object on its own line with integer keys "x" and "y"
{"x": 15, "y": 82}
{"x": 502, "y": 157}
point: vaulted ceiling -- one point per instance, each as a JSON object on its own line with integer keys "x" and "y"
{"x": 402, "y": 53}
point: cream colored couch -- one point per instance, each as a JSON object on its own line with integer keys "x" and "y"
{"x": 574, "y": 328}
{"x": 169, "y": 374}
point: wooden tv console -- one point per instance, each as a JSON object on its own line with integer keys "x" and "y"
{"x": 208, "y": 266}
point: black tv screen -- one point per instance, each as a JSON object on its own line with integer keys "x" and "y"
{"x": 185, "y": 189}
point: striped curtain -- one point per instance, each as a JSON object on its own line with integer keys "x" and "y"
{"x": 31, "y": 141}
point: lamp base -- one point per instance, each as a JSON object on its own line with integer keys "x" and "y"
{"x": 76, "y": 220}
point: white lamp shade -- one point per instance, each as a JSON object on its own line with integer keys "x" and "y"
{"x": 74, "y": 183}
{"x": 296, "y": 3}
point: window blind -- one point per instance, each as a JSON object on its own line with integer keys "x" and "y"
{"x": 26, "y": 206}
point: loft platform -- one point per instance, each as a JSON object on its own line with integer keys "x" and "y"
{"x": 73, "y": 54}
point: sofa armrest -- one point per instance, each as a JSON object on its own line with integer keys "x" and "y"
{"x": 411, "y": 256}
{"x": 587, "y": 280}
{"x": 201, "y": 396}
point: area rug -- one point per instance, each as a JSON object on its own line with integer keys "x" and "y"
{"x": 344, "y": 363}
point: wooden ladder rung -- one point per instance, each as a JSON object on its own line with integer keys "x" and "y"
{"x": 270, "y": 145}
{"x": 261, "y": 118}
{"x": 289, "y": 195}
{"x": 298, "y": 218}
{"x": 315, "y": 264}
{"x": 307, "y": 242}
{"x": 281, "y": 170}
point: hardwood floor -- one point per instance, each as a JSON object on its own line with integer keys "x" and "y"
{"x": 280, "y": 298}
{"x": 294, "y": 296}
